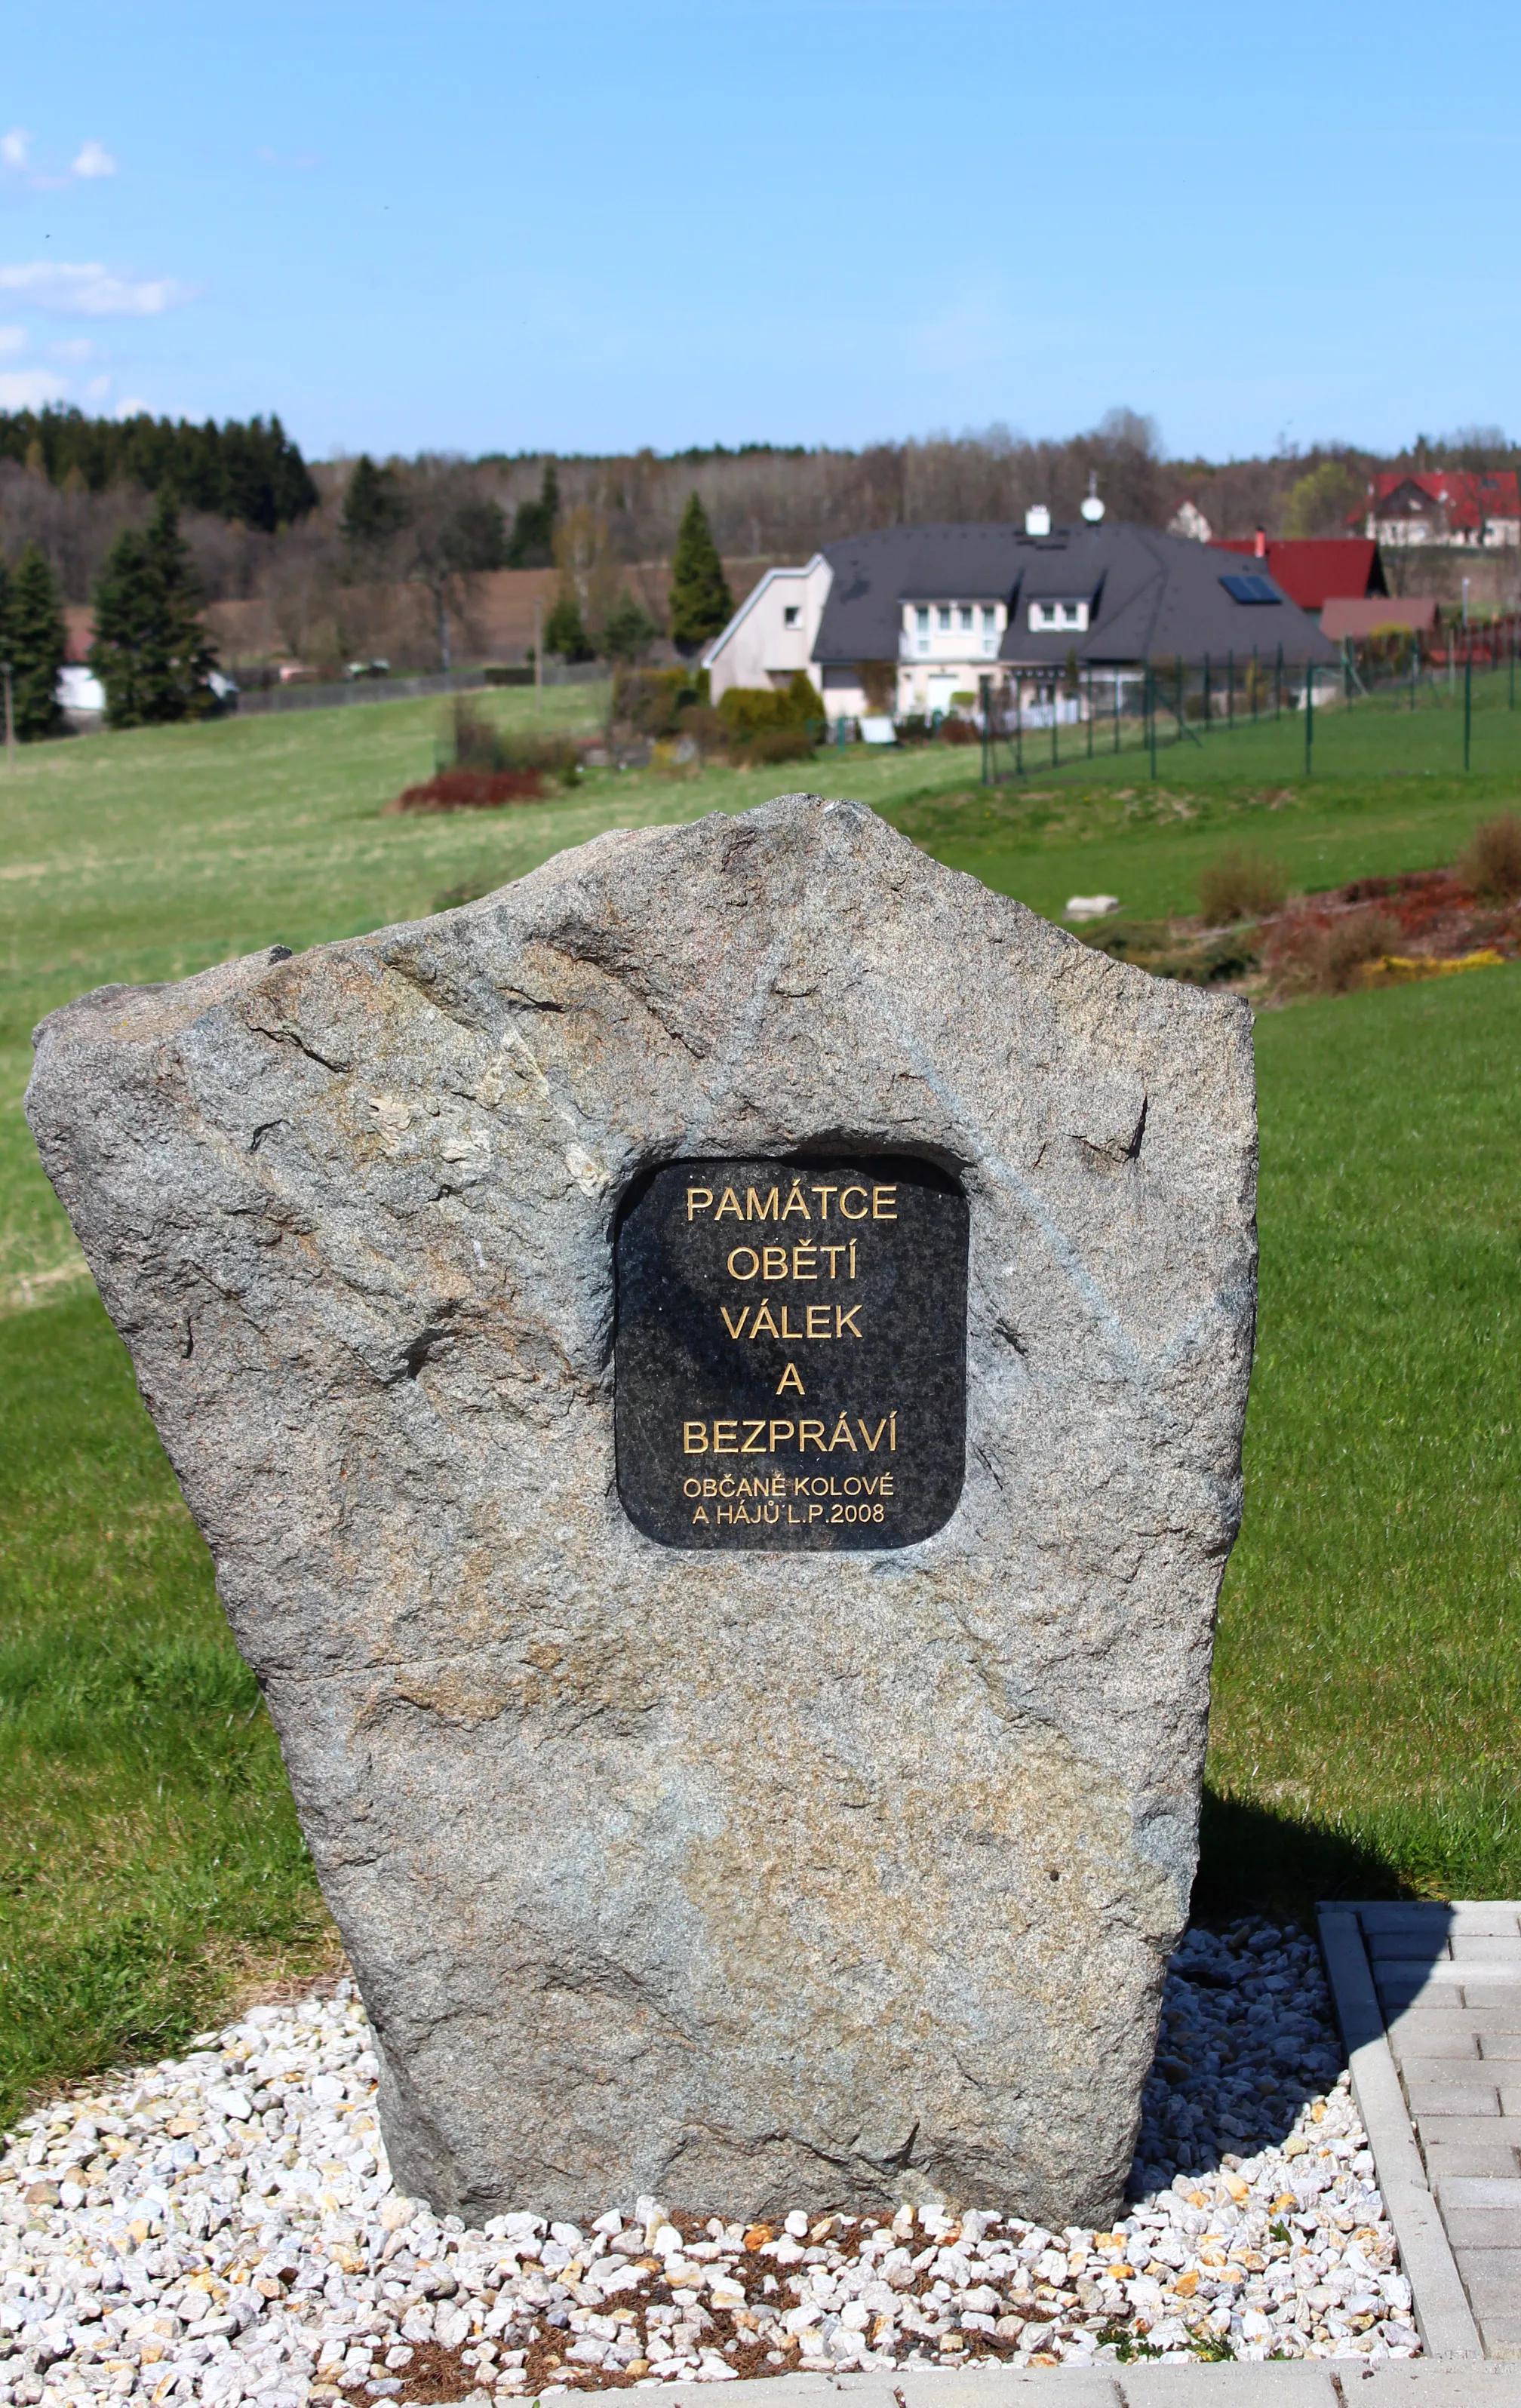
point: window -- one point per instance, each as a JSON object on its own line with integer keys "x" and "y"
{"x": 1251, "y": 589}
{"x": 968, "y": 617}
{"x": 1070, "y": 614}
{"x": 791, "y": 614}
{"x": 923, "y": 616}
{"x": 990, "y": 619}
{"x": 945, "y": 618}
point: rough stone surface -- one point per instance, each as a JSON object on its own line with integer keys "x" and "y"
{"x": 747, "y": 1880}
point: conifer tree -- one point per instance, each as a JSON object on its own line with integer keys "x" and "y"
{"x": 533, "y": 526}
{"x": 565, "y": 630}
{"x": 151, "y": 652}
{"x": 37, "y": 641}
{"x": 373, "y": 509}
{"x": 701, "y": 604}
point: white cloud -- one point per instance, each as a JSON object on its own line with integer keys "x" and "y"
{"x": 77, "y": 348}
{"x": 12, "y": 340}
{"x": 29, "y": 388}
{"x": 97, "y": 388}
{"x": 93, "y": 159}
{"x": 80, "y": 291}
{"x": 132, "y": 408}
{"x": 14, "y": 147}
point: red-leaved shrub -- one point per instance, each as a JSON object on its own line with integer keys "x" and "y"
{"x": 471, "y": 790}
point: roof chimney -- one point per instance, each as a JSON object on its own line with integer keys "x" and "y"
{"x": 1261, "y": 546}
{"x": 1038, "y": 519}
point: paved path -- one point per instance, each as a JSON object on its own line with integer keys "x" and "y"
{"x": 1445, "y": 1992}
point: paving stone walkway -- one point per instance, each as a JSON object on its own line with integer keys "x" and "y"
{"x": 1442, "y": 1986}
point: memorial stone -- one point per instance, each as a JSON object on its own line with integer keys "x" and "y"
{"x": 713, "y": 1382}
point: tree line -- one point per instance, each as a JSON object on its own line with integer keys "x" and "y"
{"x": 250, "y": 471}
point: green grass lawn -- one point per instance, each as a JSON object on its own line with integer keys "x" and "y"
{"x": 1365, "y": 1722}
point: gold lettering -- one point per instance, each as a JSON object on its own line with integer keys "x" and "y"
{"x": 845, "y": 1194}
{"x": 795, "y": 1203}
{"x": 788, "y": 1330}
{"x": 815, "y": 1512}
{"x": 694, "y": 1444}
{"x": 852, "y": 1258}
{"x": 762, "y": 1321}
{"x": 752, "y": 1258}
{"x": 841, "y": 1435}
{"x": 701, "y": 1514}
{"x": 755, "y": 1209}
{"x": 729, "y": 1204}
{"x": 834, "y": 1254}
{"x": 697, "y": 1200}
{"x": 845, "y": 1320}
{"x": 692, "y": 1488}
{"x": 892, "y": 1433}
{"x": 871, "y": 1443}
{"x": 790, "y": 1379}
{"x": 737, "y": 1329}
{"x": 774, "y": 1262}
{"x": 723, "y": 1445}
{"x": 807, "y": 1430}
{"x": 818, "y": 1313}
{"x": 781, "y": 1430}
{"x": 881, "y": 1197}
{"x": 753, "y": 1437}
{"x": 798, "y": 1254}
{"x": 825, "y": 1193}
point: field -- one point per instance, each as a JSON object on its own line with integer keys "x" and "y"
{"x": 1365, "y": 1720}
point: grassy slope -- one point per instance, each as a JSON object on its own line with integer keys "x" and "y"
{"x": 1364, "y": 1714}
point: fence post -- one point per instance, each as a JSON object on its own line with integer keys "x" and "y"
{"x": 1090, "y": 710}
{"x": 984, "y": 687}
{"x": 1117, "y": 705}
{"x": 1230, "y": 690}
{"x": 1468, "y": 701}
{"x": 1309, "y": 714}
{"x": 1511, "y": 705}
{"x": 1206, "y": 693}
{"x": 1415, "y": 656}
{"x": 1149, "y": 705}
{"x": 1255, "y": 674}
{"x": 1278, "y": 685}
{"x": 1019, "y": 726}
{"x": 1055, "y": 708}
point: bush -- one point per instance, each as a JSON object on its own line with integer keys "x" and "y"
{"x": 956, "y": 730}
{"x": 772, "y": 744}
{"x": 1241, "y": 884}
{"x": 627, "y": 630}
{"x": 1492, "y": 863}
{"x": 476, "y": 742}
{"x": 1308, "y": 954}
{"x": 652, "y": 701}
{"x": 748, "y": 710}
{"x": 471, "y": 790}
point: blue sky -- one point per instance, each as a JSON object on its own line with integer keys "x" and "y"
{"x": 592, "y": 226}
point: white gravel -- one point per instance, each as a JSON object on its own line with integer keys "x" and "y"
{"x": 222, "y": 2227}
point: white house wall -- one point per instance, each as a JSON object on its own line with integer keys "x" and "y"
{"x": 759, "y": 648}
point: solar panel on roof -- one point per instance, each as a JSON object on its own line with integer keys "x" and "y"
{"x": 1251, "y": 589}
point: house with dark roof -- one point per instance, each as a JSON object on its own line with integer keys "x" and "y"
{"x": 912, "y": 618}
{"x": 1478, "y": 509}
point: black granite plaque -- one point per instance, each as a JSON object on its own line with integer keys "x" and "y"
{"x": 790, "y": 1363}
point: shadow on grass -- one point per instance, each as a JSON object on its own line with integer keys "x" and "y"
{"x": 1256, "y": 1858}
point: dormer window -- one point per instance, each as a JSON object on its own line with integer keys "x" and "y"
{"x": 791, "y": 614}
{"x": 945, "y": 618}
{"x": 1069, "y": 617}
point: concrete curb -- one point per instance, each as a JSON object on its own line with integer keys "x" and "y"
{"x": 1443, "y": 2314}
{"x": 1304, "y": 2383}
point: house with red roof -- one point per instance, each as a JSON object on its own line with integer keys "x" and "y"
{"x": 1313, "y": 570}
{"x": 1476, "y": 508}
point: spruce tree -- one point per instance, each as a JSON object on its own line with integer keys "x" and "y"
{"x": 151, "y": 652}
{"x": 701, "y": 604}
{"x": 533, "y": 526}
{"x": 373, "y": 509}
{"x": 38, "y": 642}
{"x": 565, "y": 631}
